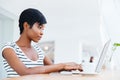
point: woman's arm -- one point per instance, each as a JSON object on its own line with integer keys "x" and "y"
{"x": 47, "y": 60}
{"x": 21, "y": 69}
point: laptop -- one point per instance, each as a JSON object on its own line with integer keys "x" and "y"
{"x": 91, "y": 68}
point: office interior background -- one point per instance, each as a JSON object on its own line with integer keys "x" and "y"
{"x": 73, "y": 26}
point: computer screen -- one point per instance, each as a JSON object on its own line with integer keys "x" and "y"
{"x": 101, "y": 59}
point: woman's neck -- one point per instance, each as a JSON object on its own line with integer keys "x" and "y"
{"x": 23, "y": 42}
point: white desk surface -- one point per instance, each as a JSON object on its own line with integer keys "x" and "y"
{"x": 104, "y": 75}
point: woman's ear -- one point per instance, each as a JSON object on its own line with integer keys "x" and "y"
{"x": 25, "y": 25}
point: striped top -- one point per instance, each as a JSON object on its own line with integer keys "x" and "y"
{"x": 28, "y": 62}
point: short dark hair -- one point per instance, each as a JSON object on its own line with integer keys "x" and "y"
{"x": 31, "y": 16}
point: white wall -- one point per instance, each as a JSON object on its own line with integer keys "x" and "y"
{"x": 70, "y": 25}
{"x": 6, "y": 34}
{"x": 111, "y": 15}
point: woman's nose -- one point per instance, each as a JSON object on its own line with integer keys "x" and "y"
{"x": 41, "y": 32}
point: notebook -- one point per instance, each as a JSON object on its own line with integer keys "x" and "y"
{"x": 90, "y": 68}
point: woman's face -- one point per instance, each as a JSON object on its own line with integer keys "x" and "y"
{"x": 35, "y": 33}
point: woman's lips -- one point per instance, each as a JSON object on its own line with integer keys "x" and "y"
{"x": 39, "y": 37}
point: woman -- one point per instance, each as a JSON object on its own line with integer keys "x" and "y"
{"x": 22, "y": 58}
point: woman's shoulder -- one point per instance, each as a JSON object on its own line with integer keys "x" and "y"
{"x": 8, "y": 45}
{"x": 11, "y": 44}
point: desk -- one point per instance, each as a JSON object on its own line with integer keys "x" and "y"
{"x": 104, "y": 75}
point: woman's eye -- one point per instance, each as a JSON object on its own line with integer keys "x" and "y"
{"x": 40, "y": 27}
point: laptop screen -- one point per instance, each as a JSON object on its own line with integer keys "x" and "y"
{"x": 102, "y": 56}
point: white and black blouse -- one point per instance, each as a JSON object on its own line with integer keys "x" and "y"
{"x": 28, "y": 62}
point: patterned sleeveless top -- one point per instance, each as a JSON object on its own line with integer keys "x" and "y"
{"x": 28, "y": 62}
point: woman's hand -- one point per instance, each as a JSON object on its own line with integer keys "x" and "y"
{"x": 72, "y": 66}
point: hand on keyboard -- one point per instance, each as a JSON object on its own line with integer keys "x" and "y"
{"x": 72, "y": 66}
{"x": 76, "y": 71}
